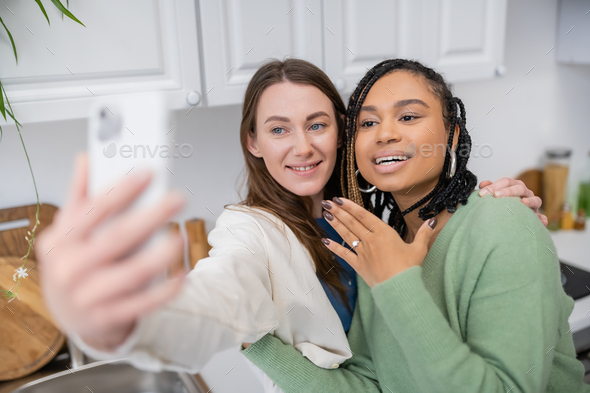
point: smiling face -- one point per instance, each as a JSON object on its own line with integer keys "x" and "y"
{"x": 401, "y": 137}
{"x": 296, "y": 136}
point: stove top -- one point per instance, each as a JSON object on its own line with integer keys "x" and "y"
{"x": 576, "y": 282}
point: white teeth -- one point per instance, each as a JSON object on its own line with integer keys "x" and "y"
{"x": 303, "y": 168}
{"x": 379, "y": 161}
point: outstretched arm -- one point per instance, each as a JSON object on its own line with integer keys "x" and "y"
{"x": 98, "y": 291}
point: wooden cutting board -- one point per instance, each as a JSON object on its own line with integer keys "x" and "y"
{"x": 30, "y": 339}
{"x": 21, "y": 351}
{"x": 12, "y": 241}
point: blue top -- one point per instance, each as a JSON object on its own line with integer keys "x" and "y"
{"x": 348, "y": 279}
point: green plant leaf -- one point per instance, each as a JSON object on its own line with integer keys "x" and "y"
{"x": 67, "y": 6}
{"x": 12, "y": 294}
{"x": 63, "y": 9}
{"x": 2, "y": 102}
{"x": 2, "y": 90}
{"x": 13, "y": 118}
{"x": 11, "y": 40}
{"x": 43, "y": 10}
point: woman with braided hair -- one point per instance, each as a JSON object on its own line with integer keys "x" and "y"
{"x": 456, "y": 293}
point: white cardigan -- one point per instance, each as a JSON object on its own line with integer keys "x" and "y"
{"x": 258, "y": 279}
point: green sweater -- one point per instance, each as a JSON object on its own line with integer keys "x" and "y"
{"x": 484, "y": 313}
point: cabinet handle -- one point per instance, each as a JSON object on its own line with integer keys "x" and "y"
{"x": 500, "y": 70}
{"x": 193, "y": 98}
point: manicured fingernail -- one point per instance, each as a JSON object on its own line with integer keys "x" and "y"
{"x": 328, "y": 216}
{"x": 432, "y": 223}
{"x": 338, "y": 201}
{"x": 499, "y": 194}
{"x": 327, "y": 205}
{"x": 326, "y": 241}
{"x": 484, "y": 191}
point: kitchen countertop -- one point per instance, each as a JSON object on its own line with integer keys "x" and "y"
{"x": 573, "y": 248}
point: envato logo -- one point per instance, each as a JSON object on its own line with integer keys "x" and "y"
{"x": 428, "y": 150}
{"x": 163, "y": 151}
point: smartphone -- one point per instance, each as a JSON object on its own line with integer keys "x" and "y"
{"x": 126, "y": 133}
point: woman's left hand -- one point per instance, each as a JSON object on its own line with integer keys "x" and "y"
{"x": 380, "y": 252}
{"x": 510, "y": 187}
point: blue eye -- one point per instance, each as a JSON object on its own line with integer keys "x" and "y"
{"x": 316, "y": 127}
{"x": 277, "y": 130}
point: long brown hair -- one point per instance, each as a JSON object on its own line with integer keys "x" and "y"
{"x": 265, "y": 192}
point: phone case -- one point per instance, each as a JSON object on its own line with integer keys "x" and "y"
{"x": 126, "y": 133}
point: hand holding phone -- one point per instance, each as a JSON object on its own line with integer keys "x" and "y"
{"x": 129, "y": 133}
{"x": 100, "y": 270}
{"x": 94, "y": 288}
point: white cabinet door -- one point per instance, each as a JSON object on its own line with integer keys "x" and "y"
{"x": 238, "y": 36}
{"x": 360, "y": 33}
{"x": 463, "y": 39}
{"x": 129, "y": 46}
{"x": 573, "y": 32}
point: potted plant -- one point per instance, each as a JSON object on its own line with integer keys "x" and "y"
{"x": 6, "y": 109}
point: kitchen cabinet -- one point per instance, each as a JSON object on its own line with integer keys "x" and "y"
{"x": 204, "y": 52}
{"x": 129, "y": 46}
{"x": 238, "y": 36}
{"x": 359, "y": 34}
{"x": 464, "y": 39}
{"x": 573, "y": 32}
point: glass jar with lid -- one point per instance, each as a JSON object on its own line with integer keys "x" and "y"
{"x": 555, "y": 177}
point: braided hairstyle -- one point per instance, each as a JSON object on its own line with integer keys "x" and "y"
{"x": 447, "y": 193}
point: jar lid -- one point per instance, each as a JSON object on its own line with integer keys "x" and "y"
{"x": 559, "y": 153}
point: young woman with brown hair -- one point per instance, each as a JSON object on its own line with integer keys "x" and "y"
{"x": 267, "y": 266}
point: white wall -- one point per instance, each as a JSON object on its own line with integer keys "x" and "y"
{"x": 547, "y": 107}
{"x": 211, "y": 172}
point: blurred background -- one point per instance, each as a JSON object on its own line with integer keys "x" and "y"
{"x": 522, "y": 68}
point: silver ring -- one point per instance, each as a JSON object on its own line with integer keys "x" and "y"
{"x": 355, "y": 244}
